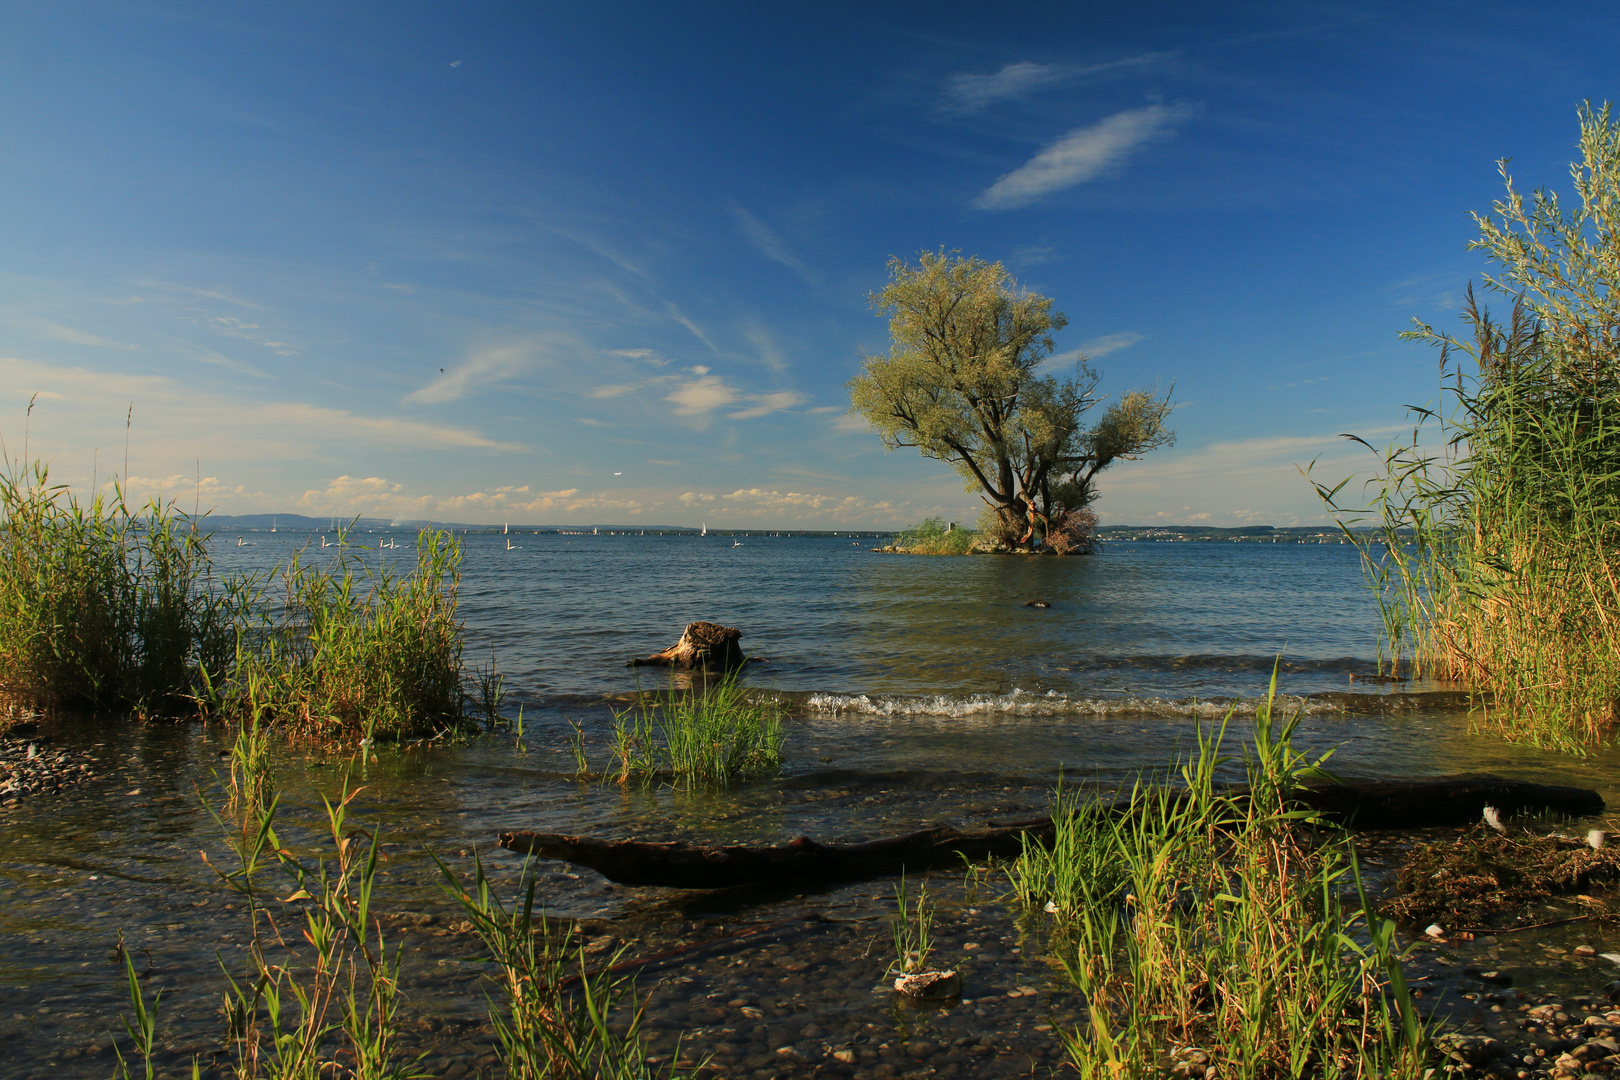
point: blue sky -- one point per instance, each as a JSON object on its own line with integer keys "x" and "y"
{"x": 551, "y": 263}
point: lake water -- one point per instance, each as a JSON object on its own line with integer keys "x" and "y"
{"x": 921, "y": 690}
{"x": 1140, "y": 628}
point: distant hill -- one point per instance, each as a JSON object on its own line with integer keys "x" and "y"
{"x": 1246, "y": 534}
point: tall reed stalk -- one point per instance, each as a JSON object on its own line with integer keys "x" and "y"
{"x": 354, "y": 649}
{"x": 1220, "y": 922}
{"x": 560, "y": 1019}
{"x": 1495, "y": 551}
{"x": 320, "y": 996}
{"x": 104, "y": 606}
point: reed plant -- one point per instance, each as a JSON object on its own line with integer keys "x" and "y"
{"x": 320, "y": 997}
{"x": 708, "y": 736}
{"x": 912, "y": 929}
{"x": 104, "y": 605}
{"x": 1221, "y": 922}
{"x": 1495, "y": 551}
{"x": 559, "y": 1019}
{"x": 933, "y": 537}
{"x": 352, "y": 649}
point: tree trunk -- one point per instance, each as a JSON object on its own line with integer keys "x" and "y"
{"x": 704, "y": 645}
{"x": 1377, "y": 804}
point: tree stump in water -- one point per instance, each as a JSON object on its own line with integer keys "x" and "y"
{"x": 704, "y": 645}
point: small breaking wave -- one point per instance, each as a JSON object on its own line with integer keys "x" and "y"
{"x": 1027, "y": 704}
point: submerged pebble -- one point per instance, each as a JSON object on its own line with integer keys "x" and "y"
{"x": 30, "y": 765}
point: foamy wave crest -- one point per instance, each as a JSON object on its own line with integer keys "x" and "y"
{"x": 1023, "y": 703}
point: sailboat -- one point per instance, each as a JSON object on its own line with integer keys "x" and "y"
{"x": 272, "y": 524}
{"x": 508, "y": 525}
{"x": 705, "y": 531}
{"x": 593, "y": 530}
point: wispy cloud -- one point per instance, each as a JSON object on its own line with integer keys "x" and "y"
{"x": 219, "y": 359}
{"x": 1081, "y": 155}
{"x": 769, "y": 244}
{"x": 969, "y": 93}
{"x": 770, "y": 353}
{"x": 178, "y": 419}
{"x": 764, "y": 404}
{"x": 231, "y": 326}
{"x": 649, "y": 356}
{"x": 57, "y": 332}
{"x": 1096, "y": 347}
{"x": 483, "y": 367}
{"x": 212, "y": 292}
{"x": 703, "y": 393}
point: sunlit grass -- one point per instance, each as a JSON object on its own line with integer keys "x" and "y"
{"x": 1222, "y": 922}
{"x": 708, "y": 736}
{"x": 104, "y": 606}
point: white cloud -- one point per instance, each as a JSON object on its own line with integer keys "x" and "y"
{"x": 192, "y": 494}
{"x": 648, "y": 355}
{"x": 175, "y": 423}
{"x": 701, "y": 395}
{"x": 486, "y": 366}
{"x": 769, "y": 244}
{"x": 1081, "y": 155}
{"x": 57, "y": 332}
{"x": 770, "y": 353}
{"x": 968, "y": 93}
{"x": 616, "y": 390}
{"x": 1096, "y": 347}
{"x": 764, "y": 404}
{"x": 1260, "y": 475}
{"x": 231, "y": 326}
{"x": 704, "y": 393}
{"x": 851, "y": 423}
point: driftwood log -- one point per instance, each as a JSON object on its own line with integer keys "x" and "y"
{"x": 703, "y": 645}
{"x": 1378, "y": 804}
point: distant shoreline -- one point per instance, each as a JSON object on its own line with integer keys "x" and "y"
{"x": 1253, "y": 534}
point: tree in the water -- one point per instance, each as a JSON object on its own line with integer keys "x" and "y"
{"x": 961, "y": 383}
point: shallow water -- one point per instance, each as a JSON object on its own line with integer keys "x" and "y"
{"x": 922, "y": 691}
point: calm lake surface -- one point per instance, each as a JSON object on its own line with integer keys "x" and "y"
{"x": 921, "y": 690}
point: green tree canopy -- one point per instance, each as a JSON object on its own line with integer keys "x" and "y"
{"x": 961, "y": 383}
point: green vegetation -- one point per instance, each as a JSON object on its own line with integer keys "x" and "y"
{"x": 358, "y": 650}
{"x": 932, "y": 537}
{"x": 547, "y": 1029}
{"x": 1495, "y": 559}
{"x": 103, "y": 606}
{"x": 911, "y": 929}
{"x": 707, "y": 737}
{"x": 326, "y": 1002}
{"x": 960, "y": 384}
{"x": 1196, "y": 918}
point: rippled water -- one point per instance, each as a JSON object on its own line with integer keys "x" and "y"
{"x": 922, "y": 689}
{"x": 1140, "y": 624}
